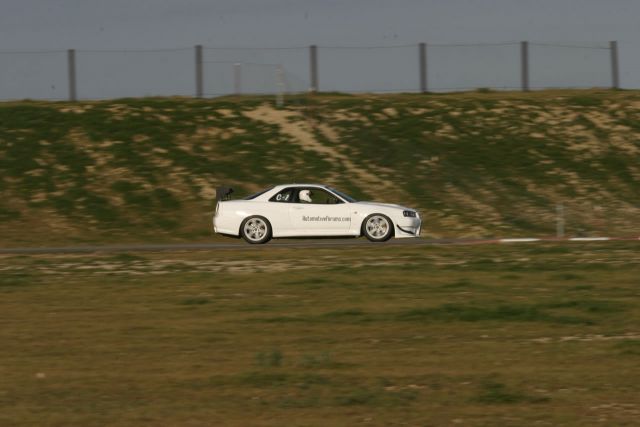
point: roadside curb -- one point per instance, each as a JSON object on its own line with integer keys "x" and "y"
{"x": 565, "y": 239}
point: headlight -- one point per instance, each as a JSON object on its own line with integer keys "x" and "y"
{"x": 410, "y": 214}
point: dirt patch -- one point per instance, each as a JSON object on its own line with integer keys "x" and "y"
{"x": 226, "y": 113}
{"x": 295, "y": 126}
{"x": 584, "y": 141}
{"x": 77, "y": 109}
{"x": 329, "y": 132}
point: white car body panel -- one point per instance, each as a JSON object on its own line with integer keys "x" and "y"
{"x": 312, "y": 220}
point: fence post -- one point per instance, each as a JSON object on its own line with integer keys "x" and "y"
{"x": 524, "y": 58}
{"x": 199, "y": 73}
{"x": 281, "y": 83}
{"x": 237, "y": 78}
{"x": 71, "y": 64}
{"x": 422, "y": 48}
{"x": 615, "y": 70}
{"x": 313, "y": 68}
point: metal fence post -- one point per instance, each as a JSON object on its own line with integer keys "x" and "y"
{"x": 281, "y": 83}
{"x": 71, "y": 64}
{"x": 199, "y": 72}
{"x": 524, "y": 58}
{"x": 615, "y": 70}
{"x": 422, "y": 47}
{"x": 237, "y": 78}
{"x": 313, "y": 68}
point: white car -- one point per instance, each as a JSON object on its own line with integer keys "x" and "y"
{"x": 311, "y": 210}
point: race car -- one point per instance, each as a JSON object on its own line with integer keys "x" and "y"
{"x": 310, "y": 210}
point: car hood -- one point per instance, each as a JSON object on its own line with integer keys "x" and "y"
{"x": 383, "y": 205}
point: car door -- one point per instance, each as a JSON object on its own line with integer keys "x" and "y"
{"x": 278, "y": 208}
{"x": 321, "y": 214}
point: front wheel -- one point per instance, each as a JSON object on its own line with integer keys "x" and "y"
{"x": 377, "y": 228}
{"x": 255, "y": 230}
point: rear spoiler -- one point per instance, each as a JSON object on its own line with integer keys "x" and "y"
{"x": 223, "y": 193}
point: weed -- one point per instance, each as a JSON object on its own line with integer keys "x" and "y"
{"x": 195, "y": 301}
{"x": 566, "y": 276}
{"x": 585, "y": 101}
{"x": 589, "y": 306}
{"x": 15, "y": 280}
{"x": 630, "y": 347}
{"x": 376, "y": 396}
{"x": 7, "y": 214}
{"x": 500, "y": 312}
{"x": 460, "y": 283}
{"x": 265, "y": 379}
{"x": 360, "y": 396}
{"x": 344, "y": 314}
{"x": 493, "y": 392}
{"x": 309, "y": 282}
{"x": 127, "y": 257}
{"x": 581, "y": 288}
{"x": 271, "y": 358}
{"x": 322, "y": 360}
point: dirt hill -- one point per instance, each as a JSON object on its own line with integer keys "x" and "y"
{"x": 475, "y": 164}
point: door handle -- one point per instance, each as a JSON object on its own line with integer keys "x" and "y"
{"x": 298, "y": 207}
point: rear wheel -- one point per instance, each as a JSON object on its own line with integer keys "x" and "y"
{"x": 255, "y": 230}
{"x": 377, "y": 228}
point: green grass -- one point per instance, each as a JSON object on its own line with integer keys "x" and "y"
{"x": 495, "y": 393}
{"x": 629, "y": 347}
{"x": 126, "y": 340}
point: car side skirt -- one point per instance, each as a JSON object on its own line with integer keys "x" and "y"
{"x": 313, "y": 233}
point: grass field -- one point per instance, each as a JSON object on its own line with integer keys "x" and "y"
{"x": 475, "y": 164}
{"x": 432, "y": 336}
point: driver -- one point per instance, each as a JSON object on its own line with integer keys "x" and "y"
{"x": 305, "y": 196}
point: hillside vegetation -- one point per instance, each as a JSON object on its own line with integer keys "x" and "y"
{"x": 475, "y": 164}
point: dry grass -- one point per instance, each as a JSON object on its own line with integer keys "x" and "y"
{"x": 493, "y": 335}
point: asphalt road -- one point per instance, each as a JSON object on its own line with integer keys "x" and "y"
{"x": 238, "y": 245}
{"x": 291, "y": 243}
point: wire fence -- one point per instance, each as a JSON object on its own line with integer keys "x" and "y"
{"x": 214, "y": 71}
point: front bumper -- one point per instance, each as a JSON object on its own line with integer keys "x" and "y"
{"x": 410, "y": 227}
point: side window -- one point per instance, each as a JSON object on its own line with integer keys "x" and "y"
{"x": 315, "y": 196}
{"x": 285, "y": 196}
{"x": 330, "y": 199}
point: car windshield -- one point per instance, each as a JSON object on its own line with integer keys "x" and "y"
{"x": 253, "y": 196}
{"x": 344, "y": 196}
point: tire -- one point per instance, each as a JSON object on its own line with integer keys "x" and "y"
{"x": 256, "y": 230}
{"x": 377, "y": 228}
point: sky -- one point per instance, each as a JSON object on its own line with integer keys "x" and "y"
{"x": 92, "y": 25}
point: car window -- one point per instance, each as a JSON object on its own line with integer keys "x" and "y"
{"x": 258, "y": 194}
{"x": 284, "y": 196}
{"x": 344, "y": 196}
{"x": 315, "y": 196}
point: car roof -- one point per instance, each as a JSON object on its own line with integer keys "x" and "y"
{"x": 281, "y": 186}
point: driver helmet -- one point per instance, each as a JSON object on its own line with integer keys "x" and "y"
{"x": 305, "y": 196}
